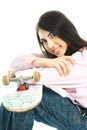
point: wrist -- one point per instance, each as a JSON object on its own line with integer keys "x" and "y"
{"x": 40, "y": 62}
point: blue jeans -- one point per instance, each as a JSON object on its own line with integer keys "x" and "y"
{"x": 54, "y": 110}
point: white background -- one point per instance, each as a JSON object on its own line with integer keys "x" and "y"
{"x": 18, "y": 19}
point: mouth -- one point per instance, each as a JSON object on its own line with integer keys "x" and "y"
{"x": 56, "y": 50}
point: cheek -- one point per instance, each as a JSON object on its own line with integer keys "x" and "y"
{"x": 65, "y": 46}
{"x": 47, "y": 49}
{"x": 44, "y": 46}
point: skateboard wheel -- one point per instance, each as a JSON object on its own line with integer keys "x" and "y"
{"x": 36, "y": 76}
{"x": 5, "y": 80}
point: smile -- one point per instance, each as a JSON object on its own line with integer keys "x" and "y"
{"x": 56, "y": 50}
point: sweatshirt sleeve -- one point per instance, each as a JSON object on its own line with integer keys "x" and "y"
{"x": 76, "y": 78}
{"x": 23, "y": 62}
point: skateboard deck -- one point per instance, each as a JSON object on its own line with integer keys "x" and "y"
{"x": 26, "y": 96}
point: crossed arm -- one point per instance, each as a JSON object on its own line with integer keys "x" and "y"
{"x": 65, "y": 72}
{"x": 23, "y": 62}
{"x": 61, "y": 64}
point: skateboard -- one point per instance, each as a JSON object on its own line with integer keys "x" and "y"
{"x": 26, "y": 95}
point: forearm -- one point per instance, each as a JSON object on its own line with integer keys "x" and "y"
{"x": 62, "y": 64}
{"x": 51, "y": 77}
{"x": 41, "y": 62}
{"x": 22, "y": 62}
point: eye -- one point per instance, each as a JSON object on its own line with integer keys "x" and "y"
{"x": 43, "y": 41}
{"x": 52, "y": 35}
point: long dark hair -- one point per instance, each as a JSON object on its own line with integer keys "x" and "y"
{"x": 58, "y": 24}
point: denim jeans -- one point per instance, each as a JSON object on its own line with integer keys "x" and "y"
{"x": 54, "y": 110}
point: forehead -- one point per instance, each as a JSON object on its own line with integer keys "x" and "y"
{"x": 43, "y": 34}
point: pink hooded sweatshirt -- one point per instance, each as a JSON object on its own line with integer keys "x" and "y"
{"x": 76, "y": 81}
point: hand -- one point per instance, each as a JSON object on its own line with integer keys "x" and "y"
{"x": 11, "y": 73}
{"x": 61, "y": 64}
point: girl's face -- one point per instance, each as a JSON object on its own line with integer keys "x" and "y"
{"x": 52, "y": 43}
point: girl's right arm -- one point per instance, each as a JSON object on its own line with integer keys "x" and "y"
{"x": 38, "y": 60}
{"x": 23, "y": 62}
{"x": 61, "y": 63}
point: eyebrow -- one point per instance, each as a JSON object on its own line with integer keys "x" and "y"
{"x": 49, "y": 34}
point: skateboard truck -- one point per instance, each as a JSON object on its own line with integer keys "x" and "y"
{"x": 20, "y": 80}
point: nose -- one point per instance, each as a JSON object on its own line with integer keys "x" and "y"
{"x": 50, "y": 44}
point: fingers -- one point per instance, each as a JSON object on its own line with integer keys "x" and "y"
{"x": 70, "y": 58}
{"x": 63, "y": 65}
{"x": 63, "y": 68}
{"x": 11, "y": 74}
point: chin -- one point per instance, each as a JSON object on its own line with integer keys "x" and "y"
{"x": 60, "y": 55}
